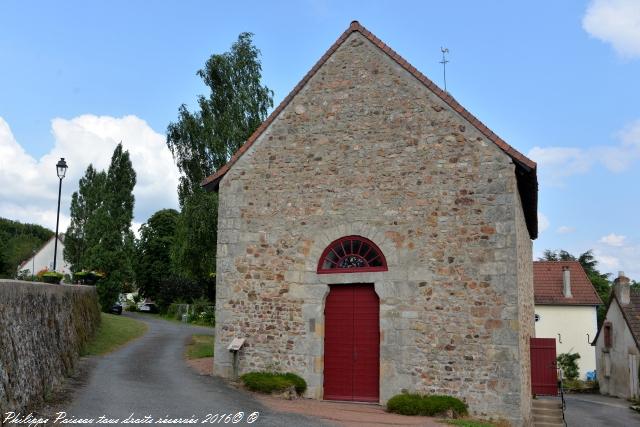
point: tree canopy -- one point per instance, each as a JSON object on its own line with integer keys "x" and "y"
{"x": 153, "y": 260}
{"x": 100, "y": 230}
{"x": 18, "y": 242}
{"x": 82, "y": 232}
{"x": 204, "y": 140}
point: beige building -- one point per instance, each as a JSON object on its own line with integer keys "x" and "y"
{"x": 618, "y": 343}
{"x": 567, "y": 309}
{"x": 375, "y": 237}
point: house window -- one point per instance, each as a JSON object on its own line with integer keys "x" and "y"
{"x": 352, "y": 254}
{"x": 608, "y": 338}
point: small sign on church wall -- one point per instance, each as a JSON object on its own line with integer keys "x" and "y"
{"x": 236, "y": 344}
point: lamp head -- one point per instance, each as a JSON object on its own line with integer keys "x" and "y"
{"x": 61, "y": 168}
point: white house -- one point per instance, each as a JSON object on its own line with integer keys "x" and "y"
{"x": 566, "y": 309}
{"x": 43, "y": 258}
{"x": 618, "y": 342}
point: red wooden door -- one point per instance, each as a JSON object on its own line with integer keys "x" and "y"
{"x": 352, "y": 343}
{"x": 544, "y": 374}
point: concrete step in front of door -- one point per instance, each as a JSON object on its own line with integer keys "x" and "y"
{"x": 546, "y": 403}
{"x": 547, "y": 413}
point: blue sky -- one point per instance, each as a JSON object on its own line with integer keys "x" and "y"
{"x": 557, "y": 80}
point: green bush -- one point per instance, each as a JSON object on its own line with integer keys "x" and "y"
{"x": 176, "y": 310}
{"x": 417, "y": 404}
{"x": 299, "y": 383}
{"x": 87, "y": 277}
{"x": 131, "y": 306}
{"x": 200, "y": 312}
{"x": 567, "y": 362}
{"x": 52, "y": 277}
{"x": 269, "y": 382}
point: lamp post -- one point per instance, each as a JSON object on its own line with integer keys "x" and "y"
{"x": 61, "y": 169}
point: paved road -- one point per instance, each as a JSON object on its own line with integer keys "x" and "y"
{"x": 587, "y": 410}
{"x": 150, "y": 378}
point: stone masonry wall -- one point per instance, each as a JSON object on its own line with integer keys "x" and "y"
{"x": 526, "y": 311}
{"x": 42, "y": 328}
{"x": 365, "y": 149}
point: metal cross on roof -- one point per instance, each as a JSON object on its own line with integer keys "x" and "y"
{"x": 444, "y": 61}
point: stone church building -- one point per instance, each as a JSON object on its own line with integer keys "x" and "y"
{"x": 375, "y": 237}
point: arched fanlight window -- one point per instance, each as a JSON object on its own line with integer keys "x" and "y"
{"x": 352, "y": 254}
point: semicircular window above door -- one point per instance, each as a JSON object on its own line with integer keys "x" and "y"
{"x": 352, "y": 254}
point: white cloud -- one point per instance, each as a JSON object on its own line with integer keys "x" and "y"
{"x": 29, "y": 185}
{"x": 616, "y": 22}
{"x": 607, "y": 262}
{"x": 557, "y": 163}
{"x": 565, "y": 229}
{"x": 625, "y": 257}
{"x": 543, "y": 222}
{"x": 613, "y": 239}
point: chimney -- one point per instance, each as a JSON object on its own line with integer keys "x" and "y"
{"x": 622, "y": 289}
{"x": 566, "y": 282}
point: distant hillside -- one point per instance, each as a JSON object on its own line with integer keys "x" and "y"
{"x": 17, "y": 243}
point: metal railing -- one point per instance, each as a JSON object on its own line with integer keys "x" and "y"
{"x": 563, "y": 402}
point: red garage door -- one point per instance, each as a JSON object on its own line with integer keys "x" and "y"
{"x": 352, "y": 343}
{"x": 544, "y": 378}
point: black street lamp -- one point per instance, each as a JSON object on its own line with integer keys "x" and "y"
{"x": 61, "y": 169}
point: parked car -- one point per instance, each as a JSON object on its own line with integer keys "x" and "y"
{"x": 116, "y": 308}
{"x": 147, "y": 307}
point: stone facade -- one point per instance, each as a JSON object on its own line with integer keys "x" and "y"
{"x": 617, "y": 360}
{"x": 365, "y": 149}
{"x": 42, "y": 329}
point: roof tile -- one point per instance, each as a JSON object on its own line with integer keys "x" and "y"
{"x": 547, "y": 284}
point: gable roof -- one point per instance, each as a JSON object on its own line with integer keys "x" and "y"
{"x": 44, "y": 245}
{"x": 525, "y": 168}
{"x": 547, "y": 284}
{"x": 630, "y": 312}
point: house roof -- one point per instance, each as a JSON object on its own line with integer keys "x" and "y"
{"x": 547, "y": 284}
{"x": 525, "y": 168}
{"x": 44, "y": 245}
{"x": 630, "y": 312}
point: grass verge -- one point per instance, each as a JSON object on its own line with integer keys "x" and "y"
{"x": 200, "y": 346}
{"x": 170, "y": 318}
{"x": 114, "y": 332}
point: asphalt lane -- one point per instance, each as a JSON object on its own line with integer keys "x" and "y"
{"x": 586, "y": 410}
{"x": 150, "y": 379}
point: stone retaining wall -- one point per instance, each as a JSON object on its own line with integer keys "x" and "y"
{"x": 42, "y": 328}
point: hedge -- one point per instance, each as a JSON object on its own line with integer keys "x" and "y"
{"x": 52, "y": 277}
{"x": 417, "y": 404}
{"x": 269, "y": 382}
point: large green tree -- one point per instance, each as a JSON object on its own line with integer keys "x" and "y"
{"x": 84, "y": 204}
{"x": 100, "y": 232}
{"x": 204, "y": 140}
{"x": 115, "y": 251}
{"x": 194, "y": 252}
{"x": 153, "y": 260}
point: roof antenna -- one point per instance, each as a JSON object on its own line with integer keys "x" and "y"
{"x": 444, "y": 61}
